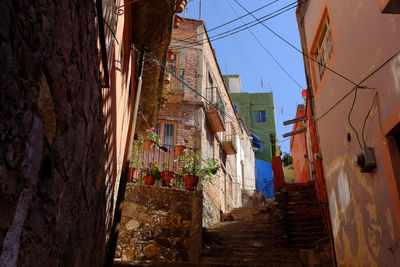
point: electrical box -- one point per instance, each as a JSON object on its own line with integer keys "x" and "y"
{"x": 366, "y": 160}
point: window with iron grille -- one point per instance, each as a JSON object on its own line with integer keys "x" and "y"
{"x": 324, "y": 48}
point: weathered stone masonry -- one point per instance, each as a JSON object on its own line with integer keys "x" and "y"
{"x": 161, "y": 224}
{"x": 52, "y": 198}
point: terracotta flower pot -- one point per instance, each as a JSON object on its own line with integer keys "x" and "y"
{"x": 180, "y": 6}
{"x": 148, "y": 145}
{"x": 177, "y": 22}
{"x": 149, "y": 180}
{"x": 191, "y": 182}
{"x": 167, "y": 178}
{"x": 133, "y": 174}
{"x": 179, "y": 150}
{"x": 171, "y": 55}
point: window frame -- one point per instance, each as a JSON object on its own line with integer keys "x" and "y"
{"x": 319, "y": 83}
{"x": 161, "y": 131}
{"x": 256, "y": 116}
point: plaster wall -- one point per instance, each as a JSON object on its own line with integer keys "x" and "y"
{"x": 362, "y": 212}
{"x": 298, "y": 148}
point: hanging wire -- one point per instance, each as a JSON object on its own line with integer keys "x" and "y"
{"x": 242, "y": 28}
{"x": 266, "y": 50}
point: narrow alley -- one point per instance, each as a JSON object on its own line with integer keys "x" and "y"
{"x": 200, "y": 133}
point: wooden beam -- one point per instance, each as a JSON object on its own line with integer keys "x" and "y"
{"x": 294, "y": 120}
{"x": 294, "y": 132}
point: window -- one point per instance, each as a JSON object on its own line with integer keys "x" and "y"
{"x": 260, "y": 116}
{"x": 167, "y": 133}
{"x": 324, "y": 47}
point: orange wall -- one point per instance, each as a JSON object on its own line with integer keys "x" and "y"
{"x": 298, "y": 148}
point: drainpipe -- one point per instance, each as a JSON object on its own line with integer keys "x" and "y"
{"x": 139, "y": 89}
{"x": 109, "y": 262}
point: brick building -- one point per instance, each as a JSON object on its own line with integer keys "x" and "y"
{"x": 204, "y": 114}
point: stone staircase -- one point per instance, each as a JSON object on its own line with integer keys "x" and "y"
{"x": 291, "y": 233}
{"x": 246, "y": 240}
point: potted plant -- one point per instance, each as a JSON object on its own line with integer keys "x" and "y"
{"x": 135, "y": 163}
{"x": 180, "y": 148}
{"x": 180, "y": 6}
{"x": 152, "y": 173}
{"x": 192, "y": 172}
{"x": 167, "y": 176}
{"x": 150, "y": 139}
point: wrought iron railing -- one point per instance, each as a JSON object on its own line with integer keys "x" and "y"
{"x": 215, "y": 101}
{"x": 164, "y": 157}
{"x": 230, "y": 133}
{"x": 176, "y": 86}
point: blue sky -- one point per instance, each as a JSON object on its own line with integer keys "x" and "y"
{"x": 241, "y": 54}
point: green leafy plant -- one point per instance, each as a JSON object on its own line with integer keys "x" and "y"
{"x": 152, "y": 169}
{"x": 152, "y": 135}
{"x": 166, "y": 167}
{"x": 135, "y": 160}
{"x": 192, "y": 166}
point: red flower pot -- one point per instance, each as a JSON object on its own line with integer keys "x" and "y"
{"x": 167, "y": 178}
{"x": 133, "y": 175}
{"x": 148, "y": 145}
{"x": 149, "y": 180}
{"x": 191, "y": 182}
{"x": 179, "y": 150}
{"x": 180, "y": 6}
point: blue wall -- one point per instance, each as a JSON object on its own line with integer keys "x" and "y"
{"x": 265, "y": 178}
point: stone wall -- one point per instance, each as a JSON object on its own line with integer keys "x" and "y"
{"x": 52, "y": 158}
{"x": 161, "y": 224}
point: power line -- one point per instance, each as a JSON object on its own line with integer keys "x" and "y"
{"x": 242, "y": 28}
{"x": 231, "y": 21}
{"x": 298, "y": 50}
{"x": 157, "y": 61}
{"x": 266, "y": 50}
{"x": 357, "y": 85}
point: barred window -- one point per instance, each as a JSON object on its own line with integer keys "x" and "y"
{"x": 324, "y": 49}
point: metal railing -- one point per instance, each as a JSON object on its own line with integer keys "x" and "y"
{"x": 163, "y": 157}
{"x": 213, "y": 95}
{"x": 230, "y": 133}
{"x": 175, "y": 85}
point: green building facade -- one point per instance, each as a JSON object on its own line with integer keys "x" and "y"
{"x": 257, "y": 111}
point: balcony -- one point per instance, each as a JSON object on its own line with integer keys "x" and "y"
{"x": 229, "y": 139}
{"x": 215, "y": 110}
{"x": 173, "y": 89}
{"x": 164, "y": 157}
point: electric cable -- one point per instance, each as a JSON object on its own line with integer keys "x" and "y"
{"x": 298, "y": 50}
{"x": 357, "y": 85}
{"x": 349, "y": 117}
{"x": 241, "y": 28}
{"x": 366, "y": 118}
{"x": 266, "y": 50}
{"x": 231, "y": 21}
